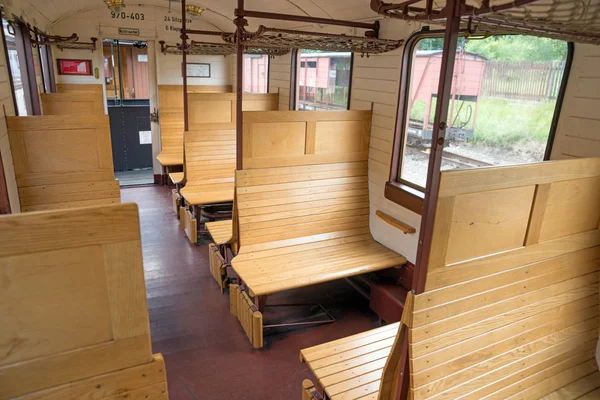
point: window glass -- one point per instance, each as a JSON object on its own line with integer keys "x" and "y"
{"x": 256, "y": 73}
{"x": 504, "y": 94}
{"x": 18, "y": 68}
{"x": 323, "y": 80}
{"x": 43, "y": 53}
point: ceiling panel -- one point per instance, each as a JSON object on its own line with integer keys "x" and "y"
{"x": 55, "y": 10}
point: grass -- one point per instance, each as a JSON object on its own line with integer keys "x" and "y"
{"x": 500, "y": 122}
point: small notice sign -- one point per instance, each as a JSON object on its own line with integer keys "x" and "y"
{"x": 145, "y": 137}
{"x": 129, "y": 31}
{"x": 74, "y": 67}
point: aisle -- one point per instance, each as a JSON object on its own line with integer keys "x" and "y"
{"x": 206, "y": 352}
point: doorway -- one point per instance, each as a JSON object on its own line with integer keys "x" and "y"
{"x": 128, "y": 101}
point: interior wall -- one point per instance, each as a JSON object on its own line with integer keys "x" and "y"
{"x": 170, "y": 70}
{"x": 375, "y": 84}
{"x": 578, "y": 130}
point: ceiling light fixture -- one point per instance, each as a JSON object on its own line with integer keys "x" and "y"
{"x": 115, "y": 5}
{"x": 194, "y": 11}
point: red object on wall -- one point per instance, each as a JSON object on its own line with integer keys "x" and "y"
{"x": 74, "y": 67}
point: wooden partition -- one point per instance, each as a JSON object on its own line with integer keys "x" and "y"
{"x": 290, "y": 138}
{"x": 170, "y": 98}
{"x": 74, "y": 313}
{"x": 73, "y": 103}
{"x": 217, "y": 111}
{"x": 510, "y": 309}
{"x": 62, "y": 161}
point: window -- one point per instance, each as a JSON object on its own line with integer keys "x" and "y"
{"x": 47, "y": 69}
{"x": 18, "y": 68}
{"x": 502, "y": 107}
{"x": 256, "y": 73}
{"x": 323, "y": 80}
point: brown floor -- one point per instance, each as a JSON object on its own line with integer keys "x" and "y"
{"x": 207, "y": 354}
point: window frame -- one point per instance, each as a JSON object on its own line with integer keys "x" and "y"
{"x": 31, "y": 95}
{"x": 45, "y": 56}
{"x": 408, "y": 194}
{"x": 295, "y": 70}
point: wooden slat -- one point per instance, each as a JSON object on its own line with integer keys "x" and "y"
{"x": 464, "y": 271}
{"x": 77, "y": 228}
{"x": 121, "y": 382}
{"x": 483, "y": 179}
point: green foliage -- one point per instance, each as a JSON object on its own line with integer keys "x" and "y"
{"x": 430, "y": 44}
{"x": 500, "y": 122}
{"x": 507, "y": 47}
{"x": 519, "y": 48}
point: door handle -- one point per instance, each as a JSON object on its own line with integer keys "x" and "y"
{"x": 154, "y": 116}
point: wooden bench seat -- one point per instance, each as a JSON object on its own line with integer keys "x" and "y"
{"x": 352, "y": 367}
{"x": 176, "y": 177}
{"x": 209, "y": 167}
{"x": 281, "y": 269}
{"x": 170, "y": 159}
{"x": 210, "y": 193}
{"x": 586, "y": 388}
{"x": 509, "y": 307}
{"x": 209, "y": 174}
{"x": 220, "y": 231}
{"x": 170, "y": 98}
{"x": 304, "y": 225}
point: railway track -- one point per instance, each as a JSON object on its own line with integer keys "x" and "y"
{"x": 452, "y": 158}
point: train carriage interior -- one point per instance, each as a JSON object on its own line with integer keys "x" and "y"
{"x": 300, "y": 199}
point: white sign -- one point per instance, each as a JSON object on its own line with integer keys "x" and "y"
{"x": 129, "y": 31}
{"x": 142, "y": 57}
{"x": 145, "y": 137}
{"x": 198, "y": 70}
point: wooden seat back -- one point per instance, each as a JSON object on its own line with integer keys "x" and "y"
{"x": 209, "y": 156}
{"x": 285, "y": 206}
{"x": 170, "y": 98}
{"x": 210, "y": 144}
{"x": 74, "y": 312}
{"x": 510, "y": 308}
{"x": 305, "y": 178}
{"x": 216, "y": 111}
{"x": 72, "y": 103}
{"x": 63, "y": 161}
{"x": 79, "y": 88}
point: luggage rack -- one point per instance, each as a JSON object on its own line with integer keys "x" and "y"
{"x": 557, "y": 19}
{"x": 273, "y": 38}
{"x": 218, "y": 49}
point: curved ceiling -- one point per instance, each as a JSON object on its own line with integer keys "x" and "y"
{"x": 218, "y": 12}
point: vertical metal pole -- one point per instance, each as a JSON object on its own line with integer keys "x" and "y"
{"x": 184, "y": 64}
{"x": 452, "y": 12}
{"x": 240, "y": 22}
{"x": 440, "y": 124}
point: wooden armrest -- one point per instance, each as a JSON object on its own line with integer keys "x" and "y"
{"x": 395, "y": 223}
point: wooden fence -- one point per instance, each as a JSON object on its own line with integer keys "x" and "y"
{"x": 523, "y": 80}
